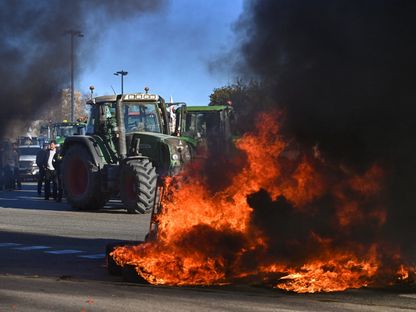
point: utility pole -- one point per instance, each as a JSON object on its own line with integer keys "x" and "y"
{"x": 73, "y": 33}
{"x": 121, "y": 73}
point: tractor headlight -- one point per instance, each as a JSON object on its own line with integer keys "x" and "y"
{"x": 187, "y": 155}
{"x": 184, "y": 151}
{"x": 175, "y": 156}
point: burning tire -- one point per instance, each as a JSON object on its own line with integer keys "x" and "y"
{"x": 112, "y": 266}
{"x": 138, "y": 180}
{"x": 81, "y": 179}
{"x": 127, "y": 272}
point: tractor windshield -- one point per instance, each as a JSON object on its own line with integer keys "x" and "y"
{"x": 141, "y": 117}
{"x": 200, "y": 125}
{"x": 65, "y": 131}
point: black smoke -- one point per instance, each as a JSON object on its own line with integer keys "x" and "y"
{"x": 344, "y": 74}
{"x": 35, "y": 53}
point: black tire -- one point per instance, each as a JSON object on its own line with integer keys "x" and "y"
{"x": 138, "y": 180}
{"x": 81, "y": 179}
{"x": 130, "y": 275}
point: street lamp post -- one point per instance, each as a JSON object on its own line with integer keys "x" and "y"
{"x": 72, "y": 34}
{"x": 121, "y": 73}
{"x": 92, "y": 91}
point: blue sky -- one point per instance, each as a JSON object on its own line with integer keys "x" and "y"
{"x": 169, "y": 51}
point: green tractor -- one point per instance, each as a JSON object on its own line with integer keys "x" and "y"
{"x": 127, "y": 150}
{"x": 205, "y": 128}
{"x": 60, "y": 130}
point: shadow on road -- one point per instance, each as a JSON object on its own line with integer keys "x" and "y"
{"x": 30, "y": 254}
{"x": 27, "y": 198}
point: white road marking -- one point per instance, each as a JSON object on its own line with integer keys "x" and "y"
{"x": 412, "y": 296}
{"x": 96, "y": 256}
{"x": 30, "y": 197}
{"x": 32, "y": 248}
{"x": 9, "y": 244}
{"x": 63, "y": 252}
{"x": 55, "y": 252}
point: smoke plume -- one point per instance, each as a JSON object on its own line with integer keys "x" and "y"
{"x": 343, "y": 73}
{"x": 35, "y": 52}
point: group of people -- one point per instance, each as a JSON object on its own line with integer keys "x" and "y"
{"x": 9, "y": 167}
{"x": 49, "y": 162}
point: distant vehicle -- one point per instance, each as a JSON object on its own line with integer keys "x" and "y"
{"x": 28, "y": 169}
{"x": 26, "y": 140}
{"x": 205, "y": 127}
{"x": 58, "y": 131}
{"x": 61, "y": 130}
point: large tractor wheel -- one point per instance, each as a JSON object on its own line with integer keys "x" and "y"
{"x": 81, "y": 179}
{"x": 138, "y": 180}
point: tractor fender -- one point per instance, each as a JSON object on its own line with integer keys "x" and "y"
{"x": 135, "y": 157}
{"x": 89, "y": 143}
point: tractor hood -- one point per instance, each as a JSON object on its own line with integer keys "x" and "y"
{"x": 169, "y": 153}
{"x": 157, "y": 136}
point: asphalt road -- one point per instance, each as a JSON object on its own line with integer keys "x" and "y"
{"x": 52, "y": 259}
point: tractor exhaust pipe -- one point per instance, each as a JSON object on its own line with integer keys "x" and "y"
{"x": 121, "y": 129}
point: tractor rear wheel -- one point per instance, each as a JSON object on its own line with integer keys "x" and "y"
{"x": 81, "y": 179}
{"x": 138, "y": 180}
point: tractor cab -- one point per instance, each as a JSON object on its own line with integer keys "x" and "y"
{"x": 143, "y": 124}
{"x": 61, "y": 130}
{"x": 205, "y": 127}
{"x": 142, "y": 112}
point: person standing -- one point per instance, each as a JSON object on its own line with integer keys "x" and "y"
{"x": 17, "y": 183}
{"x": 50, "y": 173}
{"x": 10, "y": 161}
{"x": 40, "y": 162}
{"x": 2, "y": 182}
{"x": 57, "y": 160}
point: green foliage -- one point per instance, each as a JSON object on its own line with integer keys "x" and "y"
{"x": 222, "y": 96}
{"x": 228, "y": 94}
{"x": 238, "y": 94}
{"x": 247, "y": 99}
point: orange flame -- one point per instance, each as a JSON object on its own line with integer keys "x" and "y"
{"x": 336, "y": 273}
{"x": 207, "y": 238}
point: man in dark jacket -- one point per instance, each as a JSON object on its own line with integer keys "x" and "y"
{"x": 40, "y": 162}
{"x": 10, "y": 160}
{"x": 1, "y": 166}
{"x": 57, "y": 160}
{"x": 17, "y": 182}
